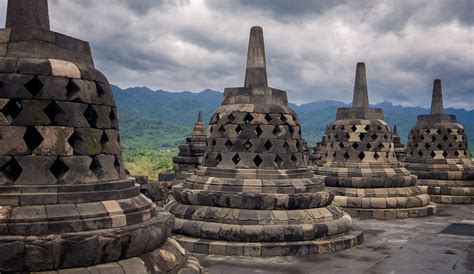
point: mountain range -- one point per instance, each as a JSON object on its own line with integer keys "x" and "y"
{"x": 162, "y": 120}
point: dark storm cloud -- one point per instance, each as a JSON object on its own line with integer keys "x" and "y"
{"x": 312, "y": 46}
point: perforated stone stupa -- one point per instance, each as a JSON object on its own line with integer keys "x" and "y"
{"x": 254, "y": 194}
{"x": 361, "y": 167}
{"x": 190, "y": 154}
{"x": 438, "y": 154}
{"x": 65, "y": 202}
{"x": 399, "y": 148}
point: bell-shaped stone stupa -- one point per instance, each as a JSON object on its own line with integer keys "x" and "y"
{"x": 400, "y": 149}
{"x": 65, "y": 201}
{"x": 254, "y": 194}
{"x": 361, "y": 167}
{"x": 190, "y": 154}
{"x": 437, "y": 152}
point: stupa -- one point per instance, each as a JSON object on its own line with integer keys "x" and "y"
{"x": 254, "y": 194}
{"x": 190, "y": 154}
{"x": 65, "y": 201}
{"x": 399, "y": 148}
{"x": 317, "y": 156}
{"x": 361, "y": 167}
{"x": 438, "y": 153}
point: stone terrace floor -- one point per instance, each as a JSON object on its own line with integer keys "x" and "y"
{"x": 395, "y": 246}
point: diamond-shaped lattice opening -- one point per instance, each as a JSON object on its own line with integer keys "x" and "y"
{"x": 361, "y": 155}
{"x": 95, "y": 166}
{"x": 385, "y": 136}
{"x": 283, "y": 117}
{"x": 422, "y": 137}
{"x": 376, "y": 156}
{"x": 367, "y": 127}
{"x": 72, "y": 89}
{"x": 455, "y": 137}
{"x": 100, "y": 90}
{"x": 374, "y": 137}
{"x": 104, "y": 139}
{"x": 278, "y": 160}
{"x": 427, "y": 131}
{"x": 91, "y": 116}
{"x": 238, "y": 130}
{"x": 416, "y": 145}
{"x": 368, "y": 146}
{"x": 118, "y": 165}
{"x": 362, "y": 136}
{"x": 277, "y": 131}
{"x": 248, "y": 118}
{"x": 438, "y": 131}
{"x": 439, "y": 146}
{"x": 433, "y": 138}
{"x": 433, "y": 154}
{"x": 427, "y": 146}
{"x": 74, "y": 139}
{"x": 268, "y": 145}
{"x": 211, "y": 129}
{"x": 341, "y": 145}
{"x": 346, "y": 156}
{"x": 450, "y": 145}
{"x": 228, "y": 144}
{"x": 230, "y": 118}
{"x": 113, "y": 114}
{"x": 445, "y": 154}
{"x": 258, "y": 131}
{"x": 59, "y": 169}
{"x": 381, "y": 146}
{"x": 12, "y": 169}
{"x": 291, "y": 129}
{"x": 460, "y": 145}
{"x": 286, "y": 145}
{"x": 248, "y": 145}
{"x": 214, "y": 143}
{"x": 450, "y": 131}
{"x": 420, "y": 153}
{"x": 32, "y": 138}
{"x": 456, "y": 153}
{"x": 11, "y": 110}
{"x": 293, "y": 158}
{"x": 342, "y": 128}
{"x": 221, "y": 129}
{"x": 355, "y": 145}
{"x": 218, "y": 158}
{"x": 445, "y": 138}
{"x": 346, "y": 136}
{"x": 257, "y": 160}
{"x": 353, "y": 128}
{"x": 236, "y": 159}
{"x": 34, "y": 86}
{"x": 268, "y": 118}
{"x": 53, "y": 110}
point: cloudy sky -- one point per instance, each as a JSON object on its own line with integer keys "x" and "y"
{"x": 312, "y": 46}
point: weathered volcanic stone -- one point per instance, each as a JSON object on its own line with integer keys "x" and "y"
{"x": 438, "y": 153}
{"x": 360, "y": 165}
{"x": 399, "y": 148}
{"x": 66, "y": 204}
{"x": 190, "y": 154}
{"x": 254, "y": 195}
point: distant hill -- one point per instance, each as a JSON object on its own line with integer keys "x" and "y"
{"x": 160, "y": 119}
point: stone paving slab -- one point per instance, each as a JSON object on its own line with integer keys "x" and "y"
{"x": 395, "y": 246}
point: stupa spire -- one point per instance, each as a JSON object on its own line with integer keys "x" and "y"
{"x": 361, "y": 97}
{"x": 395, "y": 130}
{"x": 256, "y": 72}
{"x": 437, "y": 99}
{"x": 199, "y": 120}
{"x": 26, "y": 13}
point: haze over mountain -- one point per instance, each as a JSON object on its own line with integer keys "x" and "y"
{"x": 160, "y": 119}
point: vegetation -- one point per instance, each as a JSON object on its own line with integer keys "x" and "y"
{"x": 154, "y": 123}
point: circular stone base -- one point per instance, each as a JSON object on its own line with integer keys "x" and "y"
{"x": 299, "y": 248}
{"x": 392, "y": 213}
{"x": 169, "y": 258}
{"x": 448, "y": 199}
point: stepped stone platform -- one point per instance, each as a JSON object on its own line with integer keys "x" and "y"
{"x": 190, "y": 154}
{"x": 360, "y": 165}
{"x": 401, "y": 246}
{"x": 254, "y": 194}
{"x": 438, "y": 154}
{"x": 66, "y": 203}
